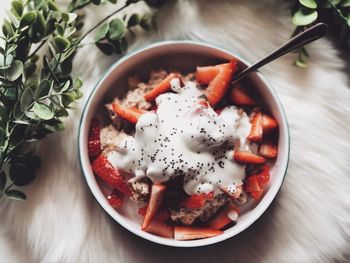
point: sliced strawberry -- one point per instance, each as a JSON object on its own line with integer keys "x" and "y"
{"x": 206, "y": 74}
{"x": 160, "y": 228}
{"x": 115, "y": 199}
{"x": 189, "y": 233}
{"x": 240, "y": 97}
{"x": 257, "y": 195}
{"x": 268, "y": 123}
{"x": 104, "y": 169}
{"x": 234, "y": 194}
{"x": 131, "y": 114}
{"x": 161, "y": 215}
{"x": 197, "y": 201}
{"x": 221, "y": 219}
{"x": 163, "y": 86}
{"x": 268, "y": 150}
{"x": 263, "y": 179}
{"x": 248, "y": 158}
{"x": 219, "y": 85}
{"x": 155, "y": 201}
{"x": 94, "y": 143}
{"x": 252, "y": 184}
{"x": 256, "y": 131}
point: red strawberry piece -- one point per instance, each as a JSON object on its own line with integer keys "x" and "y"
{"x": 155, "y": 201}
{"x": 104, "y": 170}
{"x": 163, "y": 87}
{"x": 219, "y": 85}
{"x": 240, "y": 97}
{"x": 161, "y": 215}
{"x": 263, "y": 178}
{"x": 94, "y": 143}
{"x": 252, "y": 184}
{"x": 206, "y": 74}
{"x": 256, "y": 131}
{"x": 234, "y": 194}
{"x": 115, "y": 199}
{"x": 268, "y": 123}
{"x": 131, "y": 114}
{"x": 221, "y": 219}
{"x": 248, "y": 158}
{"x": 268, "y": 150}
{"x": 190, "y": 233}
{"x": 160, "y": 228}
{"x": 256, "y": 195}
{"x": 197, "y": 201}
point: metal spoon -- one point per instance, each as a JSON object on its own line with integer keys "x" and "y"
{"x": 309, "y": 35}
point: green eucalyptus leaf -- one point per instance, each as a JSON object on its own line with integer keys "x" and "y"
{"x": 16, "y": 195}
{"x": 31, "y": 115}
{"x": 68, "y": 54}
{"x": 113, "y": 1}
{"x": 65, "y": 86}
{"x": 43, "y": 111}
{"x": 300, "y": 63}
{"x": 43, "y": 89}
{"x": 2, "y": 136}
{"x": 106, "y": 47}
{"x": 116, "y": 29}
{"x": 14, "y": 71}
{"x": 18, "y": 6}
{"x": 5, "y": 62}
{"x": 39, "y": 28}
{"x": 69, "y": 17}
{"x": 26, "y": 99}
{"x": 15, "y": 21}
{"x": 10, "y": 93}
{"x": 345, "y": 3}
{"x": 24, "y": 122}
{"x": 67, "y": 99}
{"x": 309, "y": 3}
{"x": 52, "y": 5}
{"x": 78, "y": 83}
{"x": 17, "y": 112}
{"x": 145, "y": 22}
{"x": 303, "y": 18}
{"x": 134, "y": 20}
{"x": 2, "y": 180}
{"x": 21, "y": 174}
{"x": 96, "y": 2}
{"x": 59, "y": 28}
{"x": 102, "y": 32}
{"x": 7, "y": 29}
{"x": 61, "y": 43}
{"x": 121, "y": 46}
{"x": 11, "y": 49}
{"x": 27, "y": 19}
{"x": 69, "y": 31}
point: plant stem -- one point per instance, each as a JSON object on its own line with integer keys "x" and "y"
{"x": 103, "y": 20}
{"x": 37, "y": 49}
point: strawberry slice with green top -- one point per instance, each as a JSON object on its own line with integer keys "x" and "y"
{"x": 116, "y": 198}
{"x": 94, "y": 143}
{"x": 131, "y": 114}
{"x": 154, "y": 203}
{"x": 104, "y": 170}
{"x": 190, "y": 233}
{"x": 197, "y": 201}
{"x": 256, "y": 131}
{"x": 163, "y": 87}
{"x": 219, "y": 85}
{"x": 243, "y": 157}
{"x": 240, "y": 97}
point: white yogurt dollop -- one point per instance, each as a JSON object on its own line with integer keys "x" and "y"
{"x": 185, "y": 138}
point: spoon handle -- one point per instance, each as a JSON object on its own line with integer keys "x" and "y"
{"x": 309, "y": 35}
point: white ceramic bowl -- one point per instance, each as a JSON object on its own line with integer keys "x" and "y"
{"x": 183, "y": 56}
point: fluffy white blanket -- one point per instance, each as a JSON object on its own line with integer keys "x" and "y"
{"x": 308, "y": 222}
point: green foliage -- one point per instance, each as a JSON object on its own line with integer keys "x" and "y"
{"x": 307, "y": 12}
{"x": 36, "y": 92}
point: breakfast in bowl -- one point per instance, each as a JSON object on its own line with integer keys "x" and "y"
{"x": 190, "y": 150}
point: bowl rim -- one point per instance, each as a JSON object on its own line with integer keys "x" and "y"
{"x": 120, "y": 220}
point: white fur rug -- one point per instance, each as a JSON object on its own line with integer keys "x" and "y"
{"x": 308, "y": 222}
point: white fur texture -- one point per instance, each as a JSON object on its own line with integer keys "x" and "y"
{"x": 308, "y": 222}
